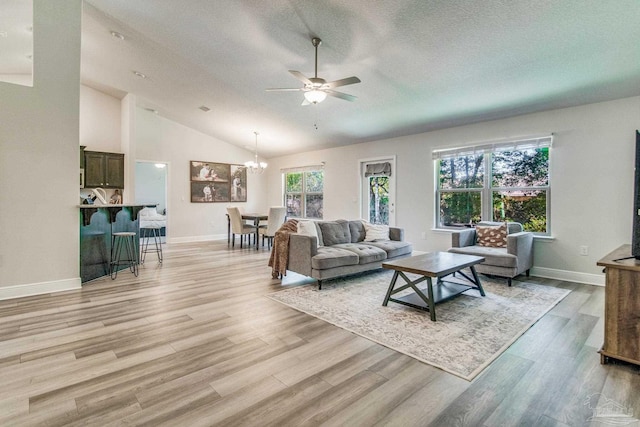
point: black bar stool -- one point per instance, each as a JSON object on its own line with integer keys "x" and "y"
{"x": 123, "y": 240}
{"x": 147, "y": 233}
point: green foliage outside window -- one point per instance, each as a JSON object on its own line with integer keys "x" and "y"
{"x": 293, "y": 182}
{"x": 462, "y": 172}
{"x": 529, "y": 168}
{"x": 517, "y": 186}
{"x": 379, "y": 199}
{"x": 303, "y": 194}
{"x": 457, "y": 209}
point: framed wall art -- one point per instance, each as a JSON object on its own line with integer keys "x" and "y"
{"x": 238, "y": 183}
{"x": 213, "y": 182}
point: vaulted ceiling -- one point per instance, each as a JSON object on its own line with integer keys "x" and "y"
{"x": 423, "y": 64}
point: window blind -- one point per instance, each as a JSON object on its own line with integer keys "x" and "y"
{"x": 518, "y": 144}
{"x": 376, "y": 169}
{"x": 309, "y": 168}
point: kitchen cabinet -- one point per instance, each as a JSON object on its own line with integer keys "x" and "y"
{"x": 104, "y": 170}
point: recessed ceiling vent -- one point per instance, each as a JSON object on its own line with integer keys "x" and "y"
{"x": 204, "y": 108}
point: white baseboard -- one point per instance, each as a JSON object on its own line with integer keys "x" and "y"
{"x": 30, "y": 289}
{"x": 192, "y": 239}
{"x": 569, "y": 276}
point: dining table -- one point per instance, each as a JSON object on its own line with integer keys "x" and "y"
{"x": 255, "y": 217}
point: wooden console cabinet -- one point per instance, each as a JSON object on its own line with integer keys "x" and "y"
{"x": 621, "y": 307}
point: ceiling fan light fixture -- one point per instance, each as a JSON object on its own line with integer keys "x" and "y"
{"x": 315, "y": 96}
{"x": 316, "y": 89}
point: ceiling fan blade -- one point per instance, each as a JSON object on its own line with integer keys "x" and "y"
{"x": 283, "y": 89}
{"x": 298, "y": 75}
{"x": 341, "y": 82}
{"x": 305, "y": 102}
{"x": 341, "y": 95}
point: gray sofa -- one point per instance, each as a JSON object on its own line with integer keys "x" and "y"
{"x": 508, "y": 262}
{"x": 340, "y": 250}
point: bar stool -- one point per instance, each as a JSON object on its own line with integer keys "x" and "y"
{"x": 126, "y": 239}
{"x": 147, "y": 233}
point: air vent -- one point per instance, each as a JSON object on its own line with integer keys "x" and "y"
{"x": 204, "y": 108}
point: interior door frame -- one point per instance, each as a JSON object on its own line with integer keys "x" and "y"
{"x": 167, "y": 186}
{"x": 363, "y": 198}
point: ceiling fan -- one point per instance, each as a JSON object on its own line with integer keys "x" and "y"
{"x": 315, "y": 88}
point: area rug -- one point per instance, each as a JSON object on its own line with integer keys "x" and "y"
{"x": 470, "y": 331}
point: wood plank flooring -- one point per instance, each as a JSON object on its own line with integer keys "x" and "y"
{"x": 196, "y": 342}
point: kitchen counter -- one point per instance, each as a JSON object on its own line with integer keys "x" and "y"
{"x": 97, "y": 224}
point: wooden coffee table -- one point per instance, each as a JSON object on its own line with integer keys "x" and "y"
{"x": 429, "y": 265}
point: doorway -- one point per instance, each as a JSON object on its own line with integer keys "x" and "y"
{"x": 378, "y": 190}
{"x": 151, "y": 185}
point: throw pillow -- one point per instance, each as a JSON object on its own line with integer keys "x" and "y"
{"x": 492, "y": 236}
{"x": 308, "y": 228}
{"x": 375, "y": 232}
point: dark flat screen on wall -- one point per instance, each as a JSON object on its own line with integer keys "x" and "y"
{"x": 635, "y": 240}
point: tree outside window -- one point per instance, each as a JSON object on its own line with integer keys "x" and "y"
{"x": 303, "y": 194}
{"x": 495, "y": 186}
{"x": 379, "y": 199}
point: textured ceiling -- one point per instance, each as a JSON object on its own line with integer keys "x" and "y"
{"x": 424, "y": 65}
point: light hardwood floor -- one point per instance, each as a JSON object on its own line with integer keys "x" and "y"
{"x": 196, "y": 342}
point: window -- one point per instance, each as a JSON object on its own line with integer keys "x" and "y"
{"x": 377, "y": 191}
{"x": 303, "y": 193}
{"x": 504, "y": 181}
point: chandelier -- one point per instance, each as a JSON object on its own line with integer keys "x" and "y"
{"x": 253, "y": 165}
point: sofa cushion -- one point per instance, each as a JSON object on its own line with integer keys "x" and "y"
{"x": 357, "y": 231}
{"x": 376, "y": 232}
{"x": 492, "y": 236}
{"x": 366, "y": 253}
{"x": 308, "y": 228}
{"x": 330, "y": 257}
{"x": 393, "y": 248}
{"x": 493, "y": 256}
{"x": 335, "y": 232}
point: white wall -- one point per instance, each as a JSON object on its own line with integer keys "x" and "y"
{"x": 99, "y": 120}
{"x": 164, "y": 141}
{"x": 39, "y": 160}
{"x": 591, "y": 171}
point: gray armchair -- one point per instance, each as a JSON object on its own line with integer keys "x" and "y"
{"x": 515, "y": 259}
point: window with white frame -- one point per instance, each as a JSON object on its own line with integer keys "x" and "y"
{"x": 499, "y": 181}
{"x": 303, "y": 192}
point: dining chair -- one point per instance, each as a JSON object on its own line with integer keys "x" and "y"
{"x": 276, "y": 218}
{"x": 238, "y": 226}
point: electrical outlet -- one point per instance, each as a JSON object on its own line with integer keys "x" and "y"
{"x": 424, "y": 235}
{"x": 584, "y": 250}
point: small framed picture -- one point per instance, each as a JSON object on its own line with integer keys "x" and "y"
{"x": 238, "y": 183}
